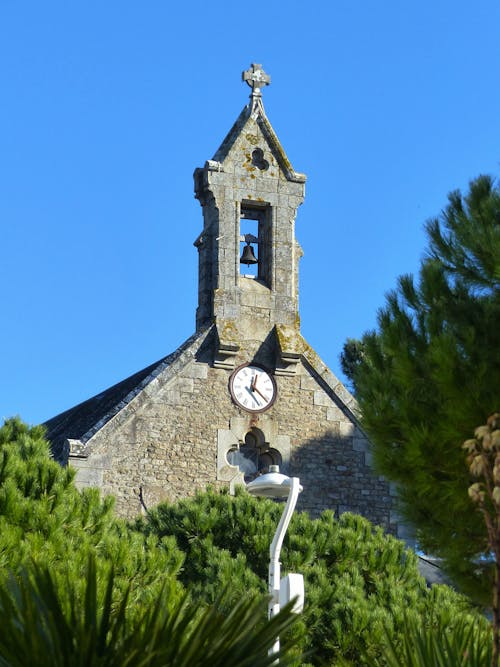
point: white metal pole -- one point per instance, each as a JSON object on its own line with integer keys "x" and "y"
{"x": 274, "y": 552}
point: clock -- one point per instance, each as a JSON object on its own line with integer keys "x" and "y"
{"x": 252, "y": 388}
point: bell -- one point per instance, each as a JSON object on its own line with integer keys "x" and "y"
{"x": 247, "y": 256}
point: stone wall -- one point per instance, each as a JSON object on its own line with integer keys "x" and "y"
{"x": 173, "y": 437}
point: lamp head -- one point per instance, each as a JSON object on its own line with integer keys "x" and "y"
{"x": 271, "y": 485}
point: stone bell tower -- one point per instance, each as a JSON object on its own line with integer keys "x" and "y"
{"x": 249, "y": 194}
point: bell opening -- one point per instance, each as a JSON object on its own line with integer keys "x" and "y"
{"x": 249, "y": 245}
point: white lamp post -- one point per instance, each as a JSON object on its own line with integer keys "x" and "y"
{"x": 275, "y": 485}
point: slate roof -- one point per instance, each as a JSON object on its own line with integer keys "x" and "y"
{"x": 85, "y": 419}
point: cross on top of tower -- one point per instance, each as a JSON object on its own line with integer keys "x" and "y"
{"x": 256, "y": 79}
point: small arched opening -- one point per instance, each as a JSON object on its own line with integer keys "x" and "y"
{"x": 253, "y": 456}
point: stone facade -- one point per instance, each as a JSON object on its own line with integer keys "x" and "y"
{"x": 174, "y": 437}
{"x": 174, "y": 428}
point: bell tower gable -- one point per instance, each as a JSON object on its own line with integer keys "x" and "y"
{"x": 253, "y": 144}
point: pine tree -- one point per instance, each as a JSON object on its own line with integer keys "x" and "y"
{"x": 360, "y": 583}
{"x": 431, "y": 372}
{"x": 350, "y": 358}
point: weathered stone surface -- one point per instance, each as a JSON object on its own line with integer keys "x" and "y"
{"x": 174, "y": 447}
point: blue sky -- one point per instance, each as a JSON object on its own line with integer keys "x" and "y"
{"x": 107, "y": 108}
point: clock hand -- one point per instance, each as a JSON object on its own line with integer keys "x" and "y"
{"x": 254, "y": 382}
{"x": 249, "y": 389}
{"x": 259, "y": 392}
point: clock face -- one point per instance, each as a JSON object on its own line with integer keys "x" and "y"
{"x": 252, "y": 388}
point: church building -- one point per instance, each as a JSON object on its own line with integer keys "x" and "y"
{"x": 245, "y": 391}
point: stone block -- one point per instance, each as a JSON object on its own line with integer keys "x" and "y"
{"x": 320, "y": 398}
{"x": 342, "y": 393}
{"x": 196, "y": 370}
{"x": 334, "y": 413}
{"x": 88, "y": 473}
{"x": 347, "y": 429}
{"x": 308, "y": 382}
{"x": 185, "y": 385}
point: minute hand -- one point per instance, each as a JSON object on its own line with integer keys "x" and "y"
{"x": 259, "y": 392}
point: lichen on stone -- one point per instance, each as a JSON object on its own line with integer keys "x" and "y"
{"x": 228, "y": 331}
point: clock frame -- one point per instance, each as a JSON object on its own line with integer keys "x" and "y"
{"x": 252, "y": 388}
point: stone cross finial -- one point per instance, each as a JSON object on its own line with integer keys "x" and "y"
{"x": 256, "y": 79}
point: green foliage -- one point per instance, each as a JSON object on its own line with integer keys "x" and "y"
{"x": 46, "y": 622}
{"x": 86, "y": 588}
{"x": 430, "y": 373}
{"x": 45, "y": 519}
{"x": 350, "y": 357}
{"x": 80, "y": 587}
{"x": 209, "y": 530}
{"x": 464, "y": 644}
{"x": 358, "y": 580}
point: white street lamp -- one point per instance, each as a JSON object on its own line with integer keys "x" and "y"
{"x": 275, "y": 485}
